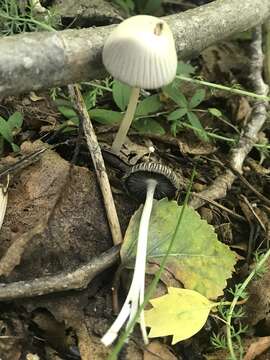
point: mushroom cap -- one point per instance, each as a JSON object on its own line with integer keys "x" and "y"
{"x": 140, "y": 52}
{"x": 136, "y": 181}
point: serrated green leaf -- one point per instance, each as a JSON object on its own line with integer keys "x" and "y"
{"x": 197, "y": 98}
{"x": 75, "y": 121}
{"x": 5, "y": 130}
{"x": 127, "y": 6}
{"x": 181, "y": 313}
{"x": 15, "y": 120}
{"x": 152, "y": 6}
{"x": 62, "y": 102}
{"x": 68, "y": 112}
{"x": 15, "y": 147}
{"x": 121, "y": 94}
{"x": 107, "y": 117}
{"x": 149, "y": 105}
{"x": 197, "y": 259}
{"x": 185, "y": 69}
{"x": 195, "y": 122}
{"x": 177, "y": 114}
{"x": 174, "y": 93}
{"x": 215, "y": 112}
{"x": 148, "y": 126}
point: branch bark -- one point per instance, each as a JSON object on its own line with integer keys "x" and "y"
{"x": 49, "y": 59}
{"x": 77, "y": 279}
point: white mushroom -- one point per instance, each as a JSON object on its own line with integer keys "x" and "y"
{"x": 139, "y": 52}
{"x": 145, "y": 181}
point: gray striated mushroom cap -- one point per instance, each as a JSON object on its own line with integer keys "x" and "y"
{"x": 136, "y": 180}
{"x": 141, "y": 53}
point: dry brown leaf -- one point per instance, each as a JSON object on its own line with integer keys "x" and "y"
{"x": 257, "y": 348}
{"x": 258, "y": 303}
{"x": 90, "y": 346}
{"x": 158, "y": 351}
{"x": 32, "y": 357}
{"x": 69, "y": 204}
{"x": 243, "y": 110}
{"x": 134, "y": 152}
{"x": 12, "y": 257}
{"x": 192, "y": 145}
{"x": 12, "y": 341}
{"x": 221, "y": 61}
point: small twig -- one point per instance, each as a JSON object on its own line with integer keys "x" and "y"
{"x": 253, "y": 212}
{"x": 224, "y": 182}
{"x": 252, "y": 188}
{"x": 222, "y": 207}
{"x": 77, "y": 279}
{"x": 22, "y": 163}
{"x": 98, "y": 161}
{"x": 253, "y": 229}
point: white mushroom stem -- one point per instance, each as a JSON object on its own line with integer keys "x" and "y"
{"x": 135, "y": 295}
{"x": 3, "y": 200}
{"x": 127, "y": 120}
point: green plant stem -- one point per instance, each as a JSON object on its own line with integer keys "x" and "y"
{"x": 213, "y": 135}
{"x": 152, "y": 286}
{"x": 223, "y": 87}
{"x": 220, "y": 137}
{"x": 92, "y": 83}
{"x": 235, "y": 300}
{"x": 30, "y": 20}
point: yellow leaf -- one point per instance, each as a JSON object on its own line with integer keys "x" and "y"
{"x": 181, "y": 313}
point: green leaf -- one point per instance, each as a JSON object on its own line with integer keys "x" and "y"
{"x": 175, "y": 95}
{"x": 127, "y": 6}
{"x": 75, "y": 121}
{"x": 15, "y": 121}
{"x": 195, "y": 122}
{"x": 149, "y": 105}
{"x": 215, "y": 112}
{"x": 152, "y": 6}
{"x": 148, "y": 126}
{"x": 1, "y": 146}
{"x": 62, "y": 102}
{"x": 181, "y": 313}
{"x": 185, "y": 69}
{"x": 5, "y": 130}
{"x": 89, "y": 99}
{"x": 197, "y": 259}
{"x": 121, "y": 94}
{"x": 197, "y": 98}
{"x": 177, "y": 114}
{"x": 15, "y": 147}
{"x": 68, "y": 112}
{"x": 107, "y": 117}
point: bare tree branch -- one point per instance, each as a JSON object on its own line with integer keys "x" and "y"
{"x": 49, "y": 59}
{"x": 77, "y": 279}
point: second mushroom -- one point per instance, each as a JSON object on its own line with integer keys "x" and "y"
{"x": 145, "y": 181}
{"x": 139, "y": 52}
